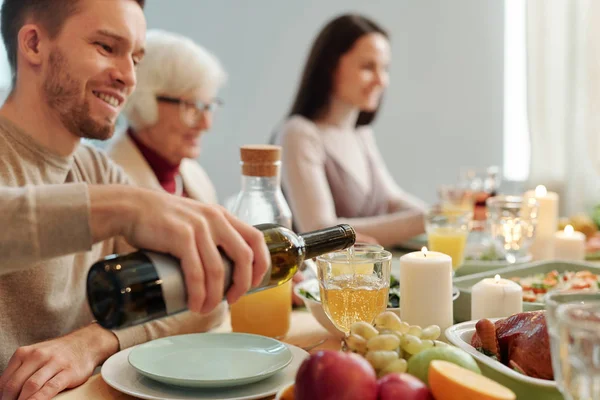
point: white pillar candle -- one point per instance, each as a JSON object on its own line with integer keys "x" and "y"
{"x": 542, "y": 247}
{"x": 426, "y": 289}
{"x": 496, "y": 298}
{"x": 569, "y": 245}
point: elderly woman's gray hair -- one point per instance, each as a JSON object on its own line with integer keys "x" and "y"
{"x": 174, "y": 66}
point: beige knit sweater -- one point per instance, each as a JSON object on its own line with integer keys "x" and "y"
{"x": 43, "y": 269}
{"x": 334, "y": 175}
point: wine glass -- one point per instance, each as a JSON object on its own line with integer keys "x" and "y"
{"x": 354, "y": 284}
{"x": 456, "y": 196}
{"x": 512, "y": 221}
{"x": 483, "y": 183}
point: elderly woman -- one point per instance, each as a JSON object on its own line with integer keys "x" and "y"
{"x": 171, "y": 107}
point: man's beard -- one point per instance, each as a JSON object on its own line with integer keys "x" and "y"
{"x": 62, "y": 93}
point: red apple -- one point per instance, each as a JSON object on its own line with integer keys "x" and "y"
{"x": 333, "y": 375}
{"x": 402, "y": 386}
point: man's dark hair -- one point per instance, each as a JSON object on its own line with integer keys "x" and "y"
{"x": 50, "y": 14}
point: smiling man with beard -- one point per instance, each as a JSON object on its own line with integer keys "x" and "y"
{"x": 73, "y": 64}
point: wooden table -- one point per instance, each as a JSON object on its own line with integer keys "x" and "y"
{"x": 304, "y": 331}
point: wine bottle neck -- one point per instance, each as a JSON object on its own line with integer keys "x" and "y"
{"x": 327, "y": 240}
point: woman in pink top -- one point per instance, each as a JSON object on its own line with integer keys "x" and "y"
{"x": 332, "y": 170}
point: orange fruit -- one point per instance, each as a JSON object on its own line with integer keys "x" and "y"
{"x": 448, "y": 381}
{"x": 288, "y": 393}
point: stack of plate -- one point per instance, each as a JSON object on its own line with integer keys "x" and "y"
{"x": 232, "y": 366}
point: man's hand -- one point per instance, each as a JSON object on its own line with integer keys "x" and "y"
{"x": 42, "y": 370}
{"x": 188, "y": 230}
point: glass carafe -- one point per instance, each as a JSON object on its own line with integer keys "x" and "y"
{"x": 261, "y": 200}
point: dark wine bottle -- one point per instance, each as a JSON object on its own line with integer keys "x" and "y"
{"x": 126, "y": 290}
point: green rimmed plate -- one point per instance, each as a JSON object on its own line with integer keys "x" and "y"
{"x": 210, "y": 360}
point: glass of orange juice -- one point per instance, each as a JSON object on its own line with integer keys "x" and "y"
{"x": 265, "y": 313}
{"x": 447, "y": 231}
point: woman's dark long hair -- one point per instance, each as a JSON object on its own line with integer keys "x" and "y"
{"x": 334, "y": 40}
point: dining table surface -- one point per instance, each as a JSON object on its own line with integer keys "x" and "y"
{"x": 304, "y": 332}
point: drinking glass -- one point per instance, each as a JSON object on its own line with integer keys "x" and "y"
{"x": 579, "y": 350}
{"x": 447, "y": 231}
{"x": 455, "y": 197}
{"x": 483, "y": 184}
{"x": 354, "y": 284}
{"x": 553, "y": 300}
{"x": 512, "y": 221}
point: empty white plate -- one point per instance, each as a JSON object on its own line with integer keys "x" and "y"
{"x": 210, "y": 360}
{"x": 120, "y": 375}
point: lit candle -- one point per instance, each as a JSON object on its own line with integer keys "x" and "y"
{"x": 569, "y": 244}
{"x": 426, "y": 289}
{"x": 542, "y": 248}
{"x": 496, "y": 298}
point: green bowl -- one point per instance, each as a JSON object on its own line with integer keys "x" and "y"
{"x": 525, "y": 387}
{"x": 471, "y": 267}
{"x": 414, "y": 243}
{"x": 462, "y": 305}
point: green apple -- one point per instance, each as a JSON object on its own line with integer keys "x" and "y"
{"x": 418, "y": 365}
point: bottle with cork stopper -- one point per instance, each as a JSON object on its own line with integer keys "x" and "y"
{"x": 260, "y": 201}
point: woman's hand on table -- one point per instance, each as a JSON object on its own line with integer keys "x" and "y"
{"x": 42, "y": 370}
{"x": 298, "y": 277}
{"x": 362, "y": 238}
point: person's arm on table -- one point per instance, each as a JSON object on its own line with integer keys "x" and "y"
{"x": 41, "y": 222}
{"x": 187, "y": 229}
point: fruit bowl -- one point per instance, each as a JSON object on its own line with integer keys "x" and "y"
{"x": 311, "y": 286}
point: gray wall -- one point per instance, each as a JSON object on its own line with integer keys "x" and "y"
{"x": 444, "y": 106}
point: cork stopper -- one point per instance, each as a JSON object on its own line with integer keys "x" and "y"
{"x": 260, "y": 159}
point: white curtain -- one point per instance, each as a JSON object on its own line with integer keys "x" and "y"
{"x": 563, "y": 90}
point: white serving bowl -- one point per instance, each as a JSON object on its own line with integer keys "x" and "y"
{"x": 525, "y": 387}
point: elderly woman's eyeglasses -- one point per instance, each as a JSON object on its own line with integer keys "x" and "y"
{"x": 191, "y": 112}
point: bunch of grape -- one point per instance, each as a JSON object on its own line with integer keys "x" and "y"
{"x": 390, "y": 342}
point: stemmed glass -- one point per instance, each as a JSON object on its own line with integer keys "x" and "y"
{"x": 456, "y": 196}
{"x": 483, "y": 183}
{"x": 354, "y": 284}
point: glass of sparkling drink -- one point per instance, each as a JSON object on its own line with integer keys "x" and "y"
{"x": 354, "y": 284}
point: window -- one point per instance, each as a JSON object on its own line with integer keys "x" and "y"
{"x": 4, "y": 68}
{"x": 4, "y": 73}
{"x": 516, "y": 130}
